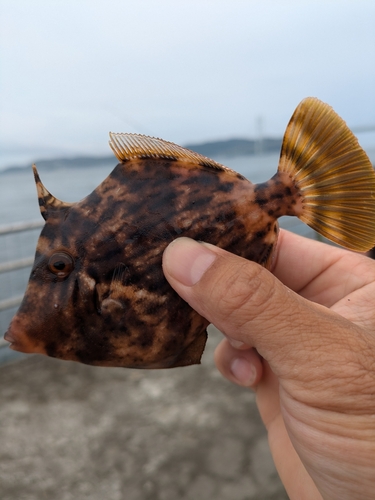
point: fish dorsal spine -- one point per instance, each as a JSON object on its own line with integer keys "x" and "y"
{"x": 47, "y": 202}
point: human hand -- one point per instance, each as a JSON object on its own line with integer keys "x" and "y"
{"x": 304, "y": 339}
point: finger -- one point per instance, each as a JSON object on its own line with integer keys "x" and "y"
{"x": 237, "y": 344}
{"x": 320, "y": 272}
{"x": 247, "y": 303}
{"x": 245, "y": 368}
{"x": 242, "y": 367}
{"x": 296, "y": 480}
{"x": 299, "y": 260}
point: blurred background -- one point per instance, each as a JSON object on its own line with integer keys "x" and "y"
{"x": 221, "y": 77}
{"x": 188, "y": 71}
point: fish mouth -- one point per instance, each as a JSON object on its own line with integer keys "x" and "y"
{"x": 19, "y": 340}
{"x": 8, "y": 337}
{"x": 15, "y": 343}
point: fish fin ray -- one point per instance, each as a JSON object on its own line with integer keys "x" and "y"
{"x": 332, "y": 173}
{"x": 128, "y": 147}
{"x": 118, "y": 280}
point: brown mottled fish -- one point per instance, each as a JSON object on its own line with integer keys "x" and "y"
{"x": 97, "y": 293}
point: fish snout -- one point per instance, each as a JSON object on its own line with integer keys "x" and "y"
{"x": 19, "y": 340}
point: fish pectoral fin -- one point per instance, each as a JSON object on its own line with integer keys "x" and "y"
{"x": 110, "y": 306}
{"x": 332, "y": 174}
{"x": 128, "y": 147}
{"x": 192, "y": 354}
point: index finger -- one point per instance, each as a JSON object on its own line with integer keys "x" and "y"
{"x": 311, "y": 268}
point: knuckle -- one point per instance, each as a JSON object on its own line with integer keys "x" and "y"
{"x": 245, "y": 293}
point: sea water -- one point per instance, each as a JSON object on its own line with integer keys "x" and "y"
{"x": 18, "y": 201}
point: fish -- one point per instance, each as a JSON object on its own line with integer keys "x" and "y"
{"x": 97, "y": 293}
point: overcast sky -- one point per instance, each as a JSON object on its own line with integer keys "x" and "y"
{"x": 183, "y": 70}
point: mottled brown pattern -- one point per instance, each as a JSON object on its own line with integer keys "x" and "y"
{"x": 116, "y": 308}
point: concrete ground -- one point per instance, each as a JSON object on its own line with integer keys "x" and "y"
{"x": 75, "y": 432}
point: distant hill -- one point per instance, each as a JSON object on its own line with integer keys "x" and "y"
{"x": 73, "y": 162}
{"x": 214, "y": 149}
{"x": 236, "y": 147}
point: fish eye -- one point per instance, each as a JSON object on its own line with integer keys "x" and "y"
{"x": 61, "y": 264}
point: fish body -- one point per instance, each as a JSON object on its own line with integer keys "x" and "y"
{"x": 97, "y": 293}
{"x": 115, "y": 304}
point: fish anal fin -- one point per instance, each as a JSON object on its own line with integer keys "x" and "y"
{"x": 333, "y": 175}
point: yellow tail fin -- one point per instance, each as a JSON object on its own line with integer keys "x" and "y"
{"x": 333, "y": 174}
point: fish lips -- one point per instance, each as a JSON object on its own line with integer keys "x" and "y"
{"x": 8, "y": 337}
{"x": 19, "y": 340}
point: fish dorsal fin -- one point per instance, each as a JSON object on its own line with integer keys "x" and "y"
{"x": 333, "y": 174}
{"x": 128, "y": 147}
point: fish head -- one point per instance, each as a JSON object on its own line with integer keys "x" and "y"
{"x": 60, "y": 305}
{"x": 57, "y": 286}
{"x": 92, "y": 298}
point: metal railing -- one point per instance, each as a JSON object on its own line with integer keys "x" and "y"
{"x": 12, "y": 266}
{"x": 18, "y": 227}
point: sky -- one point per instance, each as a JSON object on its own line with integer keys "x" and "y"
{"x": 188, "y": 71}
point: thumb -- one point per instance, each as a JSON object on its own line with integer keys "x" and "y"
{"x": 247, "y": 303}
